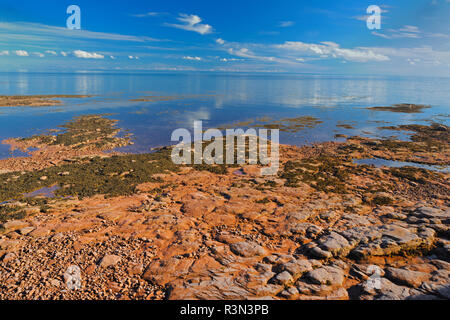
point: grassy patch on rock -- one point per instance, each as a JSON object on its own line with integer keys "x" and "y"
{"x": 111, "y": 176}
{"x": 291, "y": 125}
{"x": 402, "y": 108}
{"x": 8, "y": 212}
{"x": 83, "y": 131}
{"x": 35, "y": 100}
{"x": 328, "y": 174}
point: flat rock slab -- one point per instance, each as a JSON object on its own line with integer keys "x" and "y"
{"x": 247, "y": 249}
{"x": 326, "y": 275}
{"x": 406, "y": 277}
{"x": 15, "y": 225}
{"x": 110, "y": 260}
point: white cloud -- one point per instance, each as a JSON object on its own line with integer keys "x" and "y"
{"x": 192, "y": 58}
{"x": 112, "y": 57}
{"x": 21, "y": 53}
{"x": 220, "y": 41}
{"x": 411, "y": 29}
{"x": 51, "y": 52}
{"x": 229, "y": 59}
{"x": 148, "y": 14}
{"x": 408, "y": 31}
{"x": 425, "y": 55}
{"x": 38, "y": 54}
{"x": 4, "y": 53}
{"x": 133, "y": 57}
{"x": 87, "y": 55}
{"x": 327, "y": 49}
{"x": 249, "y": 54}
{"x": 193, "y": 23}
{"x": 40, "y": 32}
{"x": 64, "y": 54}
{"x": 285, "y": 24}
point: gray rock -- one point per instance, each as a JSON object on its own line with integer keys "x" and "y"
{"x": 396, "y": 216}
{"x": 335, "y": 243}
{"x": 297, "y": 267}
{"x": 290, "y": 293}
{"x": 319, "y": 253}
{"x": 327, "y": 275}
{"x": 429, "y": 212}
{"x": 386, "y": 290}
{"x": 282, "y": 278}
{"x": 247, "y": 249}
{"x": 406, "y": 277}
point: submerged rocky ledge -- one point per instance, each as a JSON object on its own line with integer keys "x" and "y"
{"x": 140, "y": 227}
{"x": 37, "y": 100}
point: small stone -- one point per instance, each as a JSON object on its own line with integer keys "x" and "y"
{"x": 9, "y": 257}
{"x": 27, "y": 230}
{"x": 54, "y": 282}
{"x": 43, "y": 178}
{"x": 110, "y": 260}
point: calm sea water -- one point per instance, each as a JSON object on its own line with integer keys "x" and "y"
{"x": 223, "y": 99}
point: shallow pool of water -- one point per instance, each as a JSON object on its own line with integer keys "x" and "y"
{"x": 377, "y": 162}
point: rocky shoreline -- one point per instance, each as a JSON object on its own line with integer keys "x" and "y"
{"x": 139, "y": 227}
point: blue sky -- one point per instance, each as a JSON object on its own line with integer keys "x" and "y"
{"x": 328, "y": 36}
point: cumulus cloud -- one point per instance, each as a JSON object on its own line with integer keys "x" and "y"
{"x": 191, "y": 22}
{"x": 87, "y": 55}
{"x": 51, "y": 52}
{"x": 21, "y": 53}
{"x": 4, "y": 53}
{"x": 64, "y": 54}
{"x": 220, "y": 41}
{"x": 192, "y": 58}
{"x": 38, "y": 54}
{"x": 327, "y": 49}
{"x": 133, "y": 57}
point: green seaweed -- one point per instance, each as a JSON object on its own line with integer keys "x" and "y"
{"x": 327, "y": 174}
{"x": 8, "y": 212}
{"x": 112, "y": 176}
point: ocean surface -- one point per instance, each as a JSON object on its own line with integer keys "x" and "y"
{"x": 339, "y": 102}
